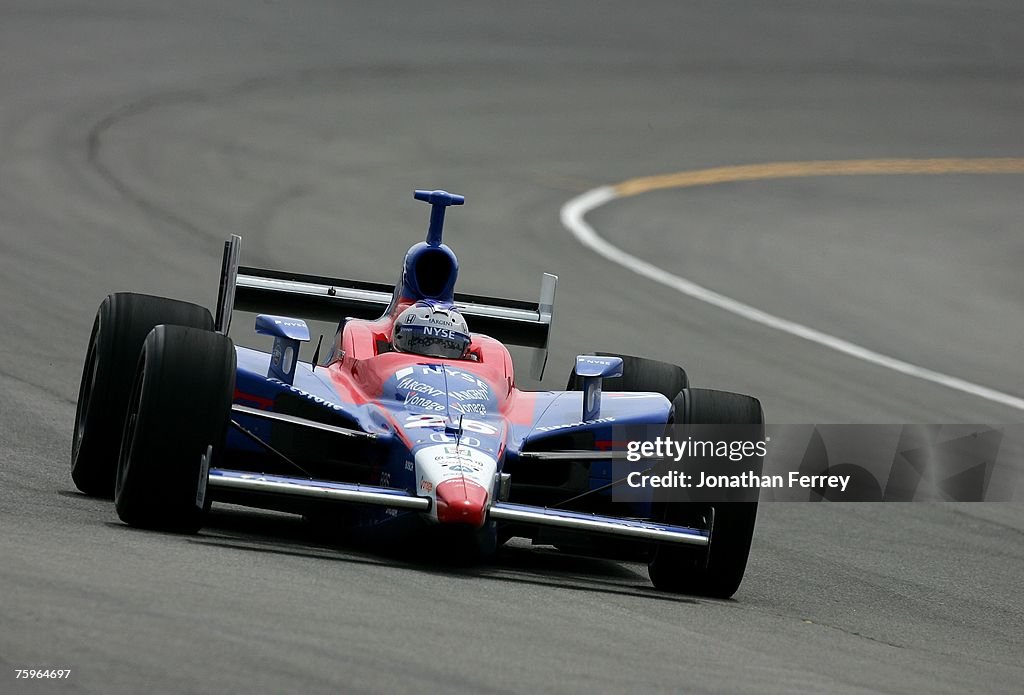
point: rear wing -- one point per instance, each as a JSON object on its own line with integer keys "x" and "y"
{"x": 322, "y": 298}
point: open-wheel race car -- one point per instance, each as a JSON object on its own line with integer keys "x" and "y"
{"x": 410, "y": 426}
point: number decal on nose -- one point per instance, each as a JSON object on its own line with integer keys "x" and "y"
{"x": 476, "y": 426}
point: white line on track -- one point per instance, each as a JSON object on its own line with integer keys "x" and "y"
{"x": 573, "y": 218}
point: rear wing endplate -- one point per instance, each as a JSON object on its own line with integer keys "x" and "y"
{"x": 322, "y": 298}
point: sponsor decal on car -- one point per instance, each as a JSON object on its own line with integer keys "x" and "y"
{"x": 470, "y": 395}
{"x": 462, "y": 464}
{"x": 581, "y": 423}
{"x": 438, "y": 369}
{"x": 419, "y": 387}
{"x": 414, "y": 400}
{"x": 469, "y": 408}
{"x": 445, "y": 438}
{"x": 304, "y": 394}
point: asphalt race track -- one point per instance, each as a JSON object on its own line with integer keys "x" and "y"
{"x": 135, "y": 136}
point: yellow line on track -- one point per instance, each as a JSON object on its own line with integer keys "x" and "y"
{"x": 790, "y": 170}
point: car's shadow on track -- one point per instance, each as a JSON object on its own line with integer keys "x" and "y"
{"x": 279, "y": 534}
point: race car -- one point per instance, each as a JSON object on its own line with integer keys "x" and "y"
{"x": 410, "y": 426}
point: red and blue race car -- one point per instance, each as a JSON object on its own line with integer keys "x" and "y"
{"x": 411, "y": 426}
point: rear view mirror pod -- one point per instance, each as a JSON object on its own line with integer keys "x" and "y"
{"x": 593, "y": 369}
{"x": 288, "y": 334}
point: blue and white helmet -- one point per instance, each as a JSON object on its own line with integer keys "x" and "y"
{"x": 434, "y": 330}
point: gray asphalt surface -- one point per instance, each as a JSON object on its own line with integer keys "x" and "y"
{"x": 134, "y": 136}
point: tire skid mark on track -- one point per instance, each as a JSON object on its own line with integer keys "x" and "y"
{"x": 204, "y": 95}
{"x": 57, "y": 396}
{"x": 94, "y": 152}
{"x": 574, "y": 211}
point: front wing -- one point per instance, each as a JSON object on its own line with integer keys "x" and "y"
{"x": 283, "y": 492}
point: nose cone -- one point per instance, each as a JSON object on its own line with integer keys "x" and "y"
{"x": 461, "y": 501}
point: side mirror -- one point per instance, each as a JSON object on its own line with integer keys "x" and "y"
{"x": 593, "y": 370}
{"x": 288, "y": 334}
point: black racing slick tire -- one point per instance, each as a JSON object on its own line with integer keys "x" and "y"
{"x": 717, "y": 572}
{"x": 122, "y": 323}
{"x": 639, "y": 374}
{"x": 176, "y": 424}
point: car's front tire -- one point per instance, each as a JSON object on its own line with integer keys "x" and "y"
{"x": 122, "y": 323}
{"x": 176, "y": 425}
{"x": 719, "y": 571}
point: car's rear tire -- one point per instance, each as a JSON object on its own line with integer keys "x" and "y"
{"x": 719, "y": 571}
{"x": 640, "y": 374}
{"x": 176, "y": 424}
{"x": 122, "y": 323}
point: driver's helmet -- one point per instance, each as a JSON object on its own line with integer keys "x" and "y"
{"x": 434, "y": 330}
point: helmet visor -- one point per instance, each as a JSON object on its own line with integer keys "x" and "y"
{"x": 433, "y": 342}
